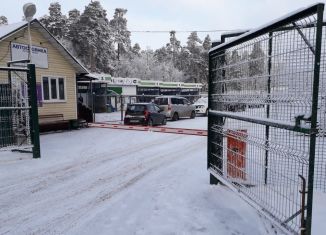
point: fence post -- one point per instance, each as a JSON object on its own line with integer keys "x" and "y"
{"x": 270, "y": 49}
{"x": 121, "y": 107}
{"x": 213, "y": 137}
{"x": 319, "y": 31}
{"x": 35, "y": 132}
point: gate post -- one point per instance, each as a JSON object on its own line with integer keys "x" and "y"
{"x": 35, "y": 132}
{"x": 213, "y": 137}
{"x": 314, "y": 110}
{"x": 268, "y": 101}
{"x": 121, "y": 106}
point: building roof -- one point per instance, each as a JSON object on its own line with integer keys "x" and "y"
{"x": 8, "y": 30}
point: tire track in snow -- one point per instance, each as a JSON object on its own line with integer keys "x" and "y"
{"x": 105, "y": 196}
{"x": 122, "y": 172}
{"x": 46, "y": 177}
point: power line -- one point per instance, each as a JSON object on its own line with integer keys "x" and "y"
{"x": 180, "y": 31}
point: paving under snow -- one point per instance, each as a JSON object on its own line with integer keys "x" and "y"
{"x": 104, "y": 181}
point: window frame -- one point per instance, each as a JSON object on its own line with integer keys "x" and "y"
{"x": 57, "y": 100}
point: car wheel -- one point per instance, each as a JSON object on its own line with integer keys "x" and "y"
{"x": 126, "y": 122}
{"x": 193, "y": 115}
{"x": 206, "y": 113}
{"x": 164, "y": 121}
{"x": 150, "y": 122}
{"x": 175, "y": 117}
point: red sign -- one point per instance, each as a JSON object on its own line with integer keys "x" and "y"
{"x": 236, "y": 154}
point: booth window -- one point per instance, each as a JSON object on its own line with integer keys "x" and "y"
{"x": 53, "y": 88}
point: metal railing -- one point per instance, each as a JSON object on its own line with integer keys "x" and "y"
{"x": 266, "y": 123}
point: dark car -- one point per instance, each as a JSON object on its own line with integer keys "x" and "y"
{"x": 145, "y": 114}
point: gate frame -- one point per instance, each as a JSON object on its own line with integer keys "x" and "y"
{"x": 216, "y": 117}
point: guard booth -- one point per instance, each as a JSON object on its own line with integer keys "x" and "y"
{"x": 56, "y": 72}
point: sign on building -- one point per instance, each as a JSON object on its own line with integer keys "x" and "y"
{"x": 39, "y": 54}
{"x": 120, "y": 81}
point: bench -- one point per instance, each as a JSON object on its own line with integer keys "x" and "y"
{"x": 51, "y": 122}
{"x": 51, "y": 118}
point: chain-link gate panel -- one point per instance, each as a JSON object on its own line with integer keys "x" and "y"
{"x": 14, "y": 110}
{"x": 17, "y": 130}
{"x": 263, "y": 97}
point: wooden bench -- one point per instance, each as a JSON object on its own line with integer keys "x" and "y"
{"x": 51, "y": 118}
{"x": 51, "y": 122}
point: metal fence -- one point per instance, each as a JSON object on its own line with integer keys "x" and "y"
{"x": 18, "y": 110}
{"x": 266, "y": 124}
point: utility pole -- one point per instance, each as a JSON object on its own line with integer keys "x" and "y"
{"x": 172, "y": 41}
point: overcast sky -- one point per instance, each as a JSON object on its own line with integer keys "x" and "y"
{"x": 179, "y": 15}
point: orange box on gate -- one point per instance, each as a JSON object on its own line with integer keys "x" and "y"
{"x": 236, "y": 154}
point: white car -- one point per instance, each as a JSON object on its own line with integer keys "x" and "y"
{"x": 202, "y": 106}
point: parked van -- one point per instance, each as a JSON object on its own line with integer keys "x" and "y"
{"x": 176, "y": 107}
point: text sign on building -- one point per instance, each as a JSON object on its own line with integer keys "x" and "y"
{"x": 120, "y": 81}
{"x": 39, "y": 54}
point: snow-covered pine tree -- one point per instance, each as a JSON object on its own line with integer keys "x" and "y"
{"x": 55, "y": 22}
{"x": 234, "y": 71}
{"x": 72, "y": 21}
{"x": 161, "y": 55}
{"x": 71, "y": 32}
{"x": 94, "y": 43}
{"x": 197, "y": 64}
{"x": 194, "y": 42}
{"x": 136, "y": 50}
{"x": 121, "y": 35}
{"x": 173, "y": 47}
{"x": 207, "y": 43}
{"x": 256, "y": 64}
{"x": 3, "y": 20}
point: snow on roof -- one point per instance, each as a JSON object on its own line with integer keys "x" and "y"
{"x": 94, "y": 75}
{"x": 8, "y": 30}
{"x": 238, "y": 31}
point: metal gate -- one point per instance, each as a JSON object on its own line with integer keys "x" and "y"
{"x": 18, "y": 110}
{"x": 266, "y": 116}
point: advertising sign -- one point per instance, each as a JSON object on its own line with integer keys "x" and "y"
{"x": 39, "y": 54}
{"x": 120, "y": 81}
{"x": 236, "y": 154}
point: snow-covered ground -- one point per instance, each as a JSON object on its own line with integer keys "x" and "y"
{"x": 104, "y": 181}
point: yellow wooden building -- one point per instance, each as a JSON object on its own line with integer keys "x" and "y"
{"x": 56, "y": 68}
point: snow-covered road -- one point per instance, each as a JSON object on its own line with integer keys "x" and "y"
{"x": 104, "y": 181}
